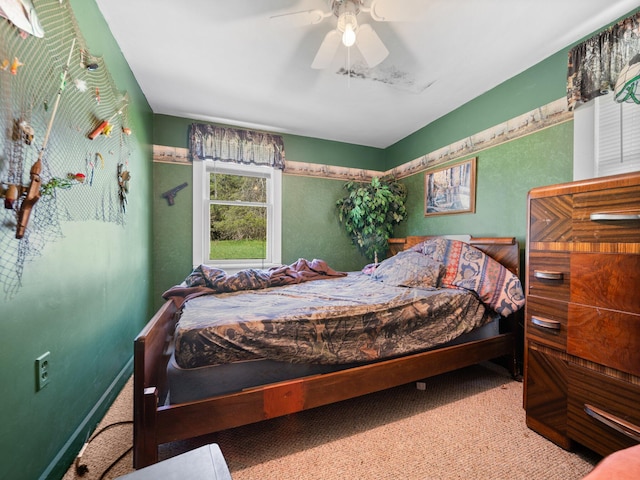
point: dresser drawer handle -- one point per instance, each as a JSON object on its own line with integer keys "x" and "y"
{"x": 544, "y": 323}
{"x": 547, "y": 275}
{"x": 618, "y": 424}
{"x": 614, "y": 217}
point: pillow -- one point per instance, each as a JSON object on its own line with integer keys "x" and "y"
{"x": 409, "y": 269}
{"x": 469, "y": 268}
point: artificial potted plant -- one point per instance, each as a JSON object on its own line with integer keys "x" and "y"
{"x": 369, "y": 212}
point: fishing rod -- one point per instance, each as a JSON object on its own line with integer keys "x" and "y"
{"x": 33, "y": 192}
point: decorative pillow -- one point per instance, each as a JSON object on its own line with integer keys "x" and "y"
{"x": 469, "y": 268}
{"x": 409, "y": 269}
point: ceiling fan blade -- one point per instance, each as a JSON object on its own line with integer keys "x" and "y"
{"x": 327, "y": 50}
{"x": 299, "y": 19}
{"x": 370, "y": 45}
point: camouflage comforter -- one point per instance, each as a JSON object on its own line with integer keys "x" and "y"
{"x": 338, "y": 320}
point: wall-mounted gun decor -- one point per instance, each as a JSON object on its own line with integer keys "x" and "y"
{"x": 170, "y": 195}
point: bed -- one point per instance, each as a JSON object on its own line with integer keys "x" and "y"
{"x": 193, "y": 378}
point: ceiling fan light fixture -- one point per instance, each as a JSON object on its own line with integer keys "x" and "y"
{"x": 349, "y": 35}
{"x": 347, "y": 22}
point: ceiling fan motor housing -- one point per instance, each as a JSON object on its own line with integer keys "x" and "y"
{"x": 345, "y": 9}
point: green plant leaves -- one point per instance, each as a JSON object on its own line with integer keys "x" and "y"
{"x": 370, "y": 211}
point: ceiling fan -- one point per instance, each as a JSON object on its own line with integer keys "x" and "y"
{"x": 349, "y": 31}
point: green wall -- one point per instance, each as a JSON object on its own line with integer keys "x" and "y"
{"x": 172, "y": 227}
{"x": 310, "y": 226}
{"x": 83, "y": 300}
{"x": 313, "y": 150}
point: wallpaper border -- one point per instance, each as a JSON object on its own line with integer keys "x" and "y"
{"x": 546, "y": 116}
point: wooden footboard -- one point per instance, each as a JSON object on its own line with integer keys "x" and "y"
{"x": 177, "y": 422}
{"x": 155, "y": 423}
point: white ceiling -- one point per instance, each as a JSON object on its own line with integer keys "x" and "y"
{"x": 226, "y": 61}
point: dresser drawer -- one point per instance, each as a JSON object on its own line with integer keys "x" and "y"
{"x": 608, "y": 337}
{"x": 606, "y": 280}
{"x": 545, "y": 390}
{"x": 546, "y": 321}
{"x": 603, "y": 412}
{"x": 607, "y": 216}
{"x": 550, "y": 219}
{"x": 549, "y": 275}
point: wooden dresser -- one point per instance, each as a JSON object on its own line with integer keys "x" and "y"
{"x": 582, "y": 327}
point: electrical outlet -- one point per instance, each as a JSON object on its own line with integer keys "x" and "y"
{"x": 42, "y": 371}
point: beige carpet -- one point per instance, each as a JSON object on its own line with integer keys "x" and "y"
{"x": 468, "y": 424}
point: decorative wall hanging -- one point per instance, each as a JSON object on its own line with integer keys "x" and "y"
{"x": 451, "y": 189}
{"x": 50, "y": 171}
{"x": 33, "y": 191}
{"x": 170, "y": 195}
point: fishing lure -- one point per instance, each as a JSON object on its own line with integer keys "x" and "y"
{"x": 14, "y": 65}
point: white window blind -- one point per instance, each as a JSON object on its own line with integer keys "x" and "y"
{"x": 616, "y": 137}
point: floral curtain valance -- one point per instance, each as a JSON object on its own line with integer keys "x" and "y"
{"x": 595, "y": 64}
{"x": 235, "y": 145}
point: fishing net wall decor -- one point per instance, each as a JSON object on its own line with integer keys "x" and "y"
{"x": 84, "y": 161}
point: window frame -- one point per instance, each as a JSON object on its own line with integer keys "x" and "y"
{"x": 202, "y": 169}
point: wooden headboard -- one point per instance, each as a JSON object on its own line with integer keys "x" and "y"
{"x": 503, "y": 249}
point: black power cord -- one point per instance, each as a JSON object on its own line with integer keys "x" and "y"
{"x": 82, "y": 468}
{"x": 114, "y": 463}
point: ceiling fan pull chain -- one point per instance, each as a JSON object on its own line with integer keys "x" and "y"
{"x": 348, "y": 67}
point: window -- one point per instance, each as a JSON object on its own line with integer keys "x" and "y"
{"x": 606, "y": 138}
{"x": 236, "y": 215}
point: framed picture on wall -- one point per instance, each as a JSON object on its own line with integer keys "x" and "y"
{"x": 450, "y": 189}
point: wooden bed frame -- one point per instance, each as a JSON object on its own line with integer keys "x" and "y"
{"x": 155, "y": 424}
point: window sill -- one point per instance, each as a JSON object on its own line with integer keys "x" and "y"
{"x": 233, "y": 268}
